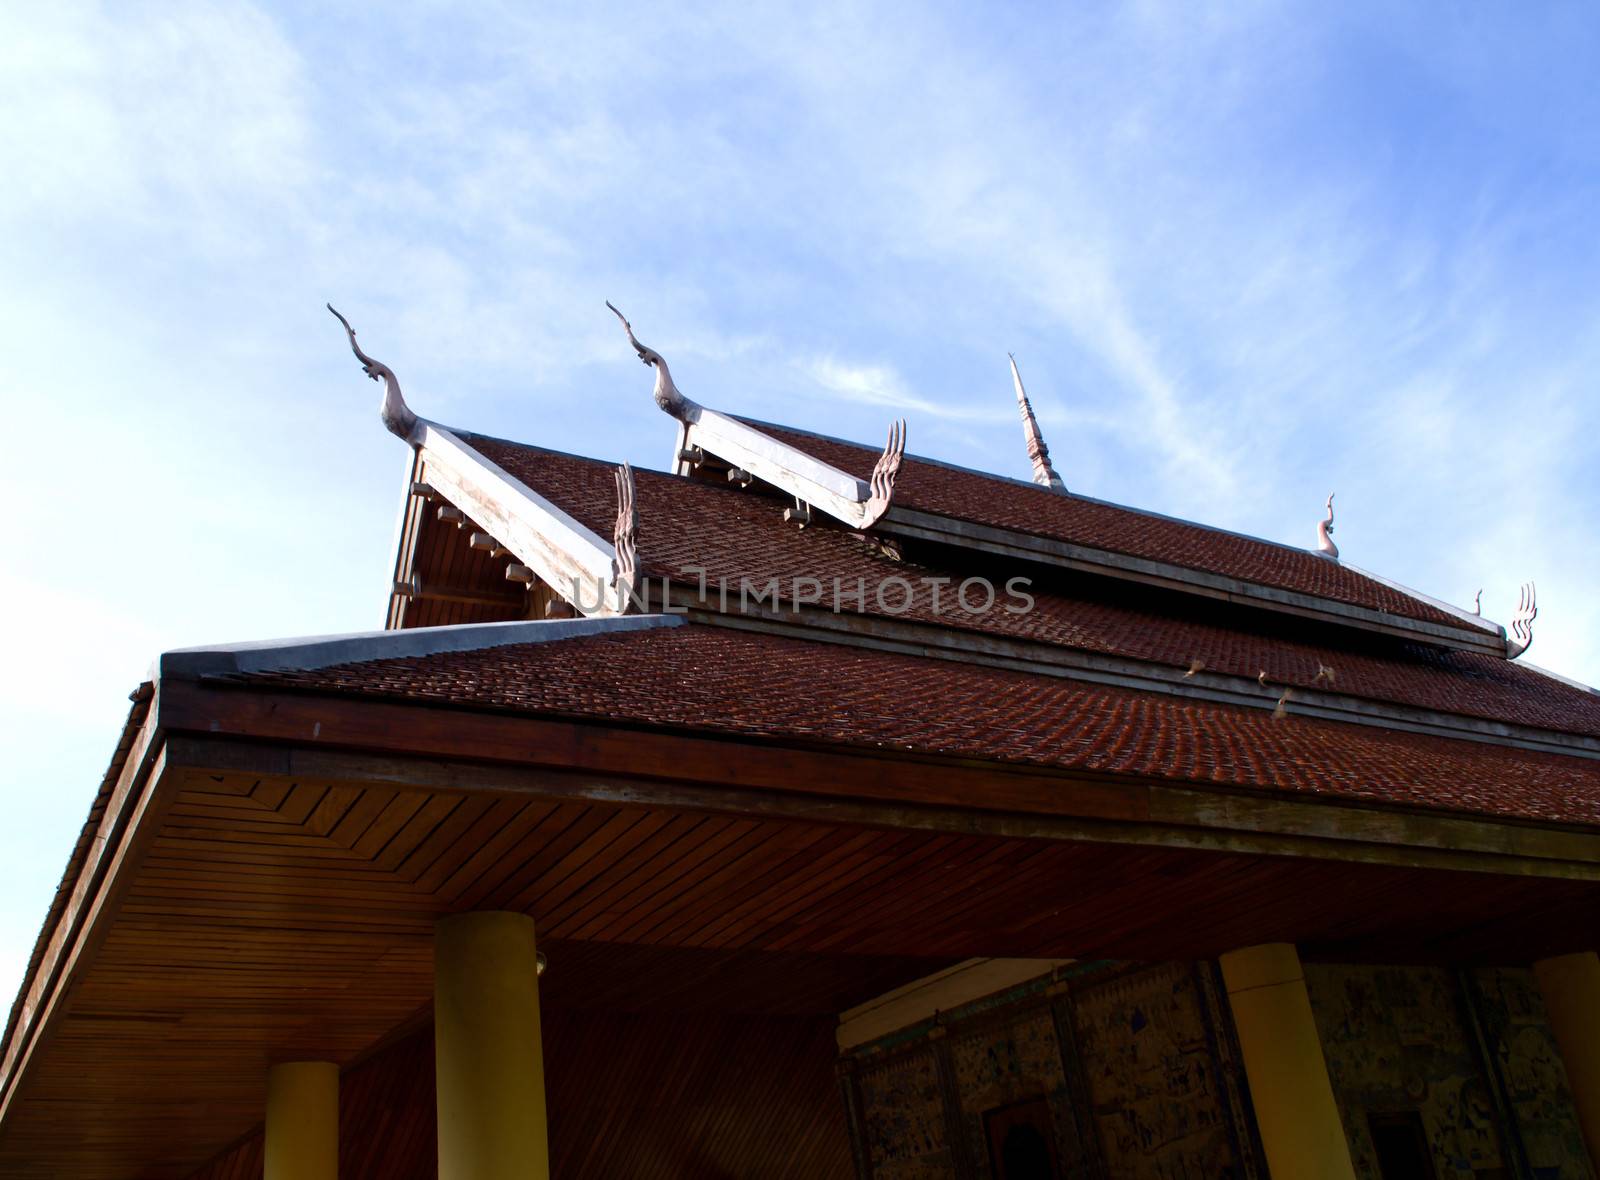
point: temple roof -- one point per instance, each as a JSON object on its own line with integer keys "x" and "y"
{"x": 1153, "y": 636}
{"x": 1156, "y": 740}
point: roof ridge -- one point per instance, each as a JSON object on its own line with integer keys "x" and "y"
{"x": 1028, "y": 483}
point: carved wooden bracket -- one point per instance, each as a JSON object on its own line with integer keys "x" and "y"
{"x": 625, "y": 565}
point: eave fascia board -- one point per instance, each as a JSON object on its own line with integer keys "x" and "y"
{"x": 132, "y": 810}
{"x": 577, "y": 562}
{"x": 623, "y": 764}
{"x": 918, "y": 525}
{"x": 323, "y": 651}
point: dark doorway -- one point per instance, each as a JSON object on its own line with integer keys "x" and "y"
{"x": 1401, "y": 1145}
{"x": 1022, "y": 1141}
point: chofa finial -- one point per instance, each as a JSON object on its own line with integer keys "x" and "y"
{"x": 396, "y": 415}
{"x": 1477, "y": 602}
{"x": 625, "y": 534}
{"x": 667, "y": 394}
{"x": 1522, "y": 622}
{"x": 1038, "y": 453}
{"x": 1325, "y": 545}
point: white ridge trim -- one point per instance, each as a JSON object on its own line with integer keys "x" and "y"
{"x": 1467, "y": 617}
{"x": 324, "y": 651}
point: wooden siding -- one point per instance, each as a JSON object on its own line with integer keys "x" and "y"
{"x": 440, "y": 556}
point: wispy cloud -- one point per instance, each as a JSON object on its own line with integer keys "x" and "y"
{"x": 882, "y": 385}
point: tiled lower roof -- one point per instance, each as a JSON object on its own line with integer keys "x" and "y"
{"x": 1029, "y": 508}
{"x": 734, "y": 535}
{"x": 716, "y": 680}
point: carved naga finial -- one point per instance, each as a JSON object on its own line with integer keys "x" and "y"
{"x": 1522, "y": 622}
{"x": 668, "y": 396}
{"x": 625, "y": 535}
{"x": 396, "y": 415}
{"x": 1038, "y": 453}
{"x": 1477, "y": 603}
{"x": 884, "y": 473}
{"x": 1325, "y": 544}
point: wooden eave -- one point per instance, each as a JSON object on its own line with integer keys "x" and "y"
{"x": 224, "y": 816}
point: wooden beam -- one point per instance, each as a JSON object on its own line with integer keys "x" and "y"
{"x": 1029, "y": 800}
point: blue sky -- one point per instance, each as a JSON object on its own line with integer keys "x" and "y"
{"x": 1245, "y": 253}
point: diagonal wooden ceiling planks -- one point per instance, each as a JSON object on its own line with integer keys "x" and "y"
{"x": 275, "y": 917}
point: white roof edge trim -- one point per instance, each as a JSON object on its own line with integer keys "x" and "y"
{"x": 1567, "y": 680}
{"x": 323, "y": 651}
{"x": 588, "y": 549}
{"x": 1465, "y": 616}
{"x": 715, "y": 425}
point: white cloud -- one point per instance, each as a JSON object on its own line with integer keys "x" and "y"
{"x": 882, "y": 385}
{"x": 163, "y": 115}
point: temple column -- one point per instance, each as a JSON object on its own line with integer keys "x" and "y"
{"x": 1289, "y": 1086}
{"x": 487, "y": 1049}
{"x": 1571, "y": 988}
{"x": 302, "y": 1128}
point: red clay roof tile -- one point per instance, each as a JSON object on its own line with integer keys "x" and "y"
{"x": 713, "y": 679}
{"x": 1030, "y": 508}
{"x": 734, "y": 535}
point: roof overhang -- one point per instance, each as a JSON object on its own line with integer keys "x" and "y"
{"x": 268, "y": 865}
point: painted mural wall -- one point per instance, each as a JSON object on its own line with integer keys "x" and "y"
{"x": 903, "y": 1117}
{"x": 1123, "y": 1071}
{"x": 1522, "y": 1051}
{"x": 1156, "y": 1080}
{"x": 1469, "y": 1057}
{"x": 1396, "y": 1045}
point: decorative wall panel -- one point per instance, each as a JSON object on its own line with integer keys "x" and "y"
{"x": 1395, "y": 1043}
{"x": 1155, "y": 1080}
{"x": 1005, "y": 1061}
{"x": 1522, "y": 1051}
{"x": 904, "y": 1117}
{"x": 1123, "y": 1072}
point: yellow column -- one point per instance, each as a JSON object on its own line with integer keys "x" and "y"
{"x": 1295, "y": 1110}
{"x": 487, "y": 1049}
{"x": 1571, "y": 988}
{"x": 302, "y": 1131}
